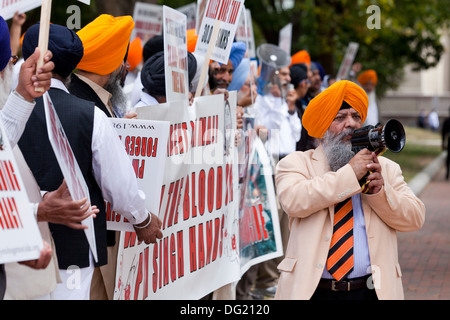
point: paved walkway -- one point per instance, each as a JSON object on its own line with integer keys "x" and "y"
{"x": 425, "y": 254}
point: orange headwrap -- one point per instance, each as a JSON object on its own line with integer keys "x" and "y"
{"x": 301, "y": 57}
{"x": 105, "y": 42}
{"x": 322, "y": 110}
{"x": 135, "y": 53}
{"x": 367, "y": 75}
{"x": 191, "y": 40}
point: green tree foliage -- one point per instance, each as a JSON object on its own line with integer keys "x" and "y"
{"x": 409, "y": 31}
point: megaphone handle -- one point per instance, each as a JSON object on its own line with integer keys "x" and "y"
{"x": 364, "y": 182}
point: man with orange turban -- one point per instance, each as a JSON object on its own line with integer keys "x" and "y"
{"x": 102, "y": 70}
{"x": 368, "y": 80}
{"x": 343, "y": 243}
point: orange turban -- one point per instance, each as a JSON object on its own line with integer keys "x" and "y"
{"x": 301, "y": 57}
{"x": 322, "y": 110}
{"x": 367, "y": 75}
{"x": 105, "y": 42}
{"x": 135, "y": 53}
{"x": 191, "y": 40}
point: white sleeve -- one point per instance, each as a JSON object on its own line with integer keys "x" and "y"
{"x": 14, "y": 116}
{"x": 296, "y": 126}
{"x": 114, "y": 173}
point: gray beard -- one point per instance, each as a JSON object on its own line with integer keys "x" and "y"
{"x": 5, "y": 84}
{"x": 337, "y": 151}
{"x": 118, "y": 96}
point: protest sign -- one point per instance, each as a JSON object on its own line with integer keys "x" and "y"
{"x": 10, "y": 7}
{"x": 20, "y": 238}
{"x": 190, "y": 10}
{"x": 148, "y": 21}
{"x": 175, "y": 55}
{"x": 227, "y": 13}
{"x": 145, "y": 142}
{"x": 260, "y": 235}
{"x": 69, "y": 166}
{"x": 285, "y": 38}
{"x": 198, "y": 253}
{"x": 201, "y": 7}
{"x": 244, "y": 32}
{"x": 347, "y": 62}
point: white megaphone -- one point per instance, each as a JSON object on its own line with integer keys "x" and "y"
{"x": 272, "y": 58}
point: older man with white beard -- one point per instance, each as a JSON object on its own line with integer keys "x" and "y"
{"x": 343, "y": 243}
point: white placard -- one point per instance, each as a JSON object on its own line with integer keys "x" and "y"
{"x": 227, "y": 12}
{"x": 148, "y": 21}
{"x": 244, "y": 32}
{"x": 9, "y": 8}
{"x": 190, "y": 10}
{"x": 69, "y": 166}
{"x": 175, "y": 55}
{"x": 145, "y": 142}
{"x": 285, "y": 38}
{"x": 347, "y": 62}
{"x": 20, "y": 238}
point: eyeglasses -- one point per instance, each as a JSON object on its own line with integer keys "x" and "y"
{"x": 14, "y": 59}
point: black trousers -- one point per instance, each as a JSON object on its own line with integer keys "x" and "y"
{"x": 358, "y": 294}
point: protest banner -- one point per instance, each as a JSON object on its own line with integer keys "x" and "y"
{"x": 347, "y": 62}
{"x": 20, "y": 238}
{"x": 145, "y": 143}
{"x": 148, "y": 21}
{"x": 69, "y": 166}
{"x": 285, "y": 38}
{"x": 175, "y": 55}
{"x": 244, "y": 32}
{"x": 198, "y": 253}
{"x": 190, "y": 10}
{"x": 10, "y": 7}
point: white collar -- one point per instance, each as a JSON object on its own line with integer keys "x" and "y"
{"x": 58, "y": 84}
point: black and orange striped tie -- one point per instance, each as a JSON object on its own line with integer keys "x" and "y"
{"x": 340, "y": 256}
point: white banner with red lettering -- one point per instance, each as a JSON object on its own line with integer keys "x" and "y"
{"x": 199, "y": 208}
{"x": 145, "y": 144}
{"x": 20, "y": 238}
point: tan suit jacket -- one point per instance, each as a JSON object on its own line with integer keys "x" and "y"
{"x": 308, "y": 191}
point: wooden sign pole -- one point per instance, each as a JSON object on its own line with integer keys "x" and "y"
{"x": 44, "y": 30}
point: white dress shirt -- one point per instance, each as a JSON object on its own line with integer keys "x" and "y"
{"x": 112, "y": 168}
{"x": 146, "y": 100}
{"x": 284, "y": 129}
{"x": 14, "y": 116}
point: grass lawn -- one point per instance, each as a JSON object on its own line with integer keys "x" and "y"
{"x": 422, "y": 147}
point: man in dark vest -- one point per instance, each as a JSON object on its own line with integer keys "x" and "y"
{"x": 98, "y": 79}
{"x": 102, "y": 160}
